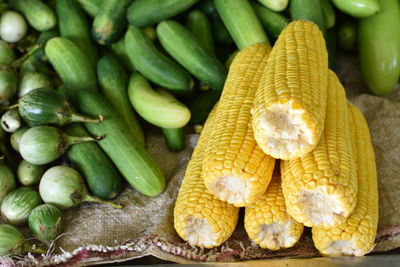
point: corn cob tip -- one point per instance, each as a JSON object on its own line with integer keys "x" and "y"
{"x": 198, "y": 232}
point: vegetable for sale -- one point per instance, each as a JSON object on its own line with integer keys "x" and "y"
{"x": 378, "y": 48}
{"x": 45, "y": 222}
{"x": 275, "y": 5}
{"x": 190, "y": 54}
{"x": 18, "y": 204}
{"x": 145, "y": 12}
{"x": 174, "y": 138}
{"x": 11, "y": 240}
{"x": 159, "y": 109}
{"x": 43, "y": 144}
{"x": 16, "y": 137}
{"x": 200, "y": 218}
{"x": 320, "y": 187}
{"x": 235, "y": 169}
{"x": 7, "y": 181}
{"x": 91, "y": 6}
{"x": 39, "y": 15}
{"x": 12, "y": 27}
{"x": 63, "y": 187}
{"x": 11, "y": 120}
{"x": 328, "y": 13}
{"x": 356, "y": 236}
{"x": 241, "y": 22}
{"x": 347, "y": 35}
{"x": 199, "y": 25}
{"x": 358, "y": 8}
{"x": 267, "y": 222}
{"x": 290, "y": 107}
{"x": 40, "y": 55}
{"x": 114, "y": 84}
{"x": 8, "y": 84}
{"x": 33, "y": 80}
{"x": 46, "y": 106}
{"x": 154, "y": 65}
{"x": 310, "y": 10}
{"x": 29, "y": 174}
{"x": 7, "y": 55}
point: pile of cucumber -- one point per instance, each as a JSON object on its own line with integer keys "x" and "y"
{"x": 79, "y": 79}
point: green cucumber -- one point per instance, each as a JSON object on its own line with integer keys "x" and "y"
{"x": 42, "y": 40}
{"x": 308, "y": 10}
{"x": 328, "y": 13}
{"x": 241, "y": 22}
{"x": 272, "y": 22}
{"x": 174, "y": 138}
{"x": 159, "y": 109}
{"x": 198, "y": 23}
{"x": 91, "y": 7}
{"x": 379, "y": 48}
{"x": 358, "y": 8}
{"x": 39, "y": 15}
{"x": 154, "y": 65}
{"x": 110, "y": 21}
{"x": 114, "y": 84}
{"x": 119, "y": 50}
{"x": 74, "y": 26}
{"x": 275, "y": 5}
{"x": 184, "y": 48}
{"x": 71, "y": 64}
{"x": 202, "y": 105}
{"x": 145, "y": 12}
{"x": 129, "y": 156}
{"x": 7, "y": 55}
{"x": 100, "y": 174}
{"x": 347, "y": 35}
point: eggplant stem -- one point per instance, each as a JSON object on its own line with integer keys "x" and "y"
{"x": 21, "y": 60}
{"x": 90, "y": 198}
{"x": 79, "y": 139}
{"x": 75, "y": 117}
{"x": 9, "y": 107}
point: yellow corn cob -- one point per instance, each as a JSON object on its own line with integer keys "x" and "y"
{"x": 289, "y": 107}
{"x": 320, "y": 188}
{"x": 235, "y": 169}
{"x": 357, "y": 235}
{"x": 199, "y": 217}
{"x": 267, "y": 222}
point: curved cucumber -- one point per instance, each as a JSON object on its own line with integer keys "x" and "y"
{"x": 379, "y": 48}
{"x": 272, "y": 22}
{"x": 198, "y": 23}
{"x": 154, "y": 65}
{"x": 241, "y": 22}
{"x": 102, "y": 178}
{"x": 39, "y": 15}
{"x": 145, "y": 12}
{"x": 184, "y": 48}
{"x": 308, "y": 10}
{"x": 358, "y": 8}
{"x": 91, "y": 7}
{"x": 110, "y": 21}
{"x": 174, "y": 138}
{"x": 114, "y": 84}
{"x": 74, "y": 26}
{"x": 159, "y": 109}
{"x": 71, "y": 64}
{"x": 128, "y": 155}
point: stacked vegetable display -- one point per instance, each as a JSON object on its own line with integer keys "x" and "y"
{"x": 75, "y": 75}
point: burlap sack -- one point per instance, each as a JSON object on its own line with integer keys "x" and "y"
{"x": 100, "y": 234}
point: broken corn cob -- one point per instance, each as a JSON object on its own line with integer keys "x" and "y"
{"x": 267, "y": 222}
{"x": 357, "y": 235}
{"x": 199, "y": 217}
{"x": 290, "y": 104}
{"x": 320, "y": 188}
{"x": 235, "y": 169}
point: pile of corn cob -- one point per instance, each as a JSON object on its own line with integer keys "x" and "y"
{"x": 283, "y": 104}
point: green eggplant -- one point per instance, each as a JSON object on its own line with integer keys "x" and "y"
{"x": 45, "y": 222}
{"x": 11, "y": 120}
{"x": 16, "y": 136}
{"x": 29, "y": 174}
{"x": 7, "y": 181}
{"x": 46, "y": 106}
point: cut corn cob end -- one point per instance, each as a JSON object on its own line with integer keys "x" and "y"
{"x": 239, "y": 186}
{"x": 284, "y": 130}
{"x": 267, "y": 222}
